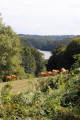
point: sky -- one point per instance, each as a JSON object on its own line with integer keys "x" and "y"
{"x": 42, "y": 17}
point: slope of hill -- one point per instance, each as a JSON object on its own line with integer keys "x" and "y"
{"x": 50, "y": 98}
{"x": 19, "y": 85}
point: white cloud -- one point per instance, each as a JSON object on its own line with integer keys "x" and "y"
{"x": 42, "y": 16}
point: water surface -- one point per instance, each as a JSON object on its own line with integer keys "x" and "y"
{"x": 47, "y": 54}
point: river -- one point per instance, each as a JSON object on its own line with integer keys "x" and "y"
{"x": 47, "y": 54}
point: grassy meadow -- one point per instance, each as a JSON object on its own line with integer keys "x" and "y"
{"x": 19, "y": 85}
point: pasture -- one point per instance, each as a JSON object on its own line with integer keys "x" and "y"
{"x": 19, "y": 85}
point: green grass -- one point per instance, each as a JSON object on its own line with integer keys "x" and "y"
{"x": 19, "y": 85}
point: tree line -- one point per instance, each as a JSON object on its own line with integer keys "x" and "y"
{"x": 47, "y": 43}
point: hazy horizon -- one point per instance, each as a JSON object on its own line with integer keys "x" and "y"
{"x": 48, "y": 35}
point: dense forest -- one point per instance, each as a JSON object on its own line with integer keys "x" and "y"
{"x": 47, "y": 43}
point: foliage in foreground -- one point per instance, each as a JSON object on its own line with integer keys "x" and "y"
{"x": 52, "y": 98}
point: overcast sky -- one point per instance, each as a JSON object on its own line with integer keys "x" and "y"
{"x": 42, "y": 17}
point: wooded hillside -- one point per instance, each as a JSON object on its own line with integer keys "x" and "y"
{"x": 47, "y": 43}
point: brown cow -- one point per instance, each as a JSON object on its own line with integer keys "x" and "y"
{"x": 64, "y": 71}
{"x": 10, "y": 77}
{"x": 49, "y": 73}
{"x": 43, "y": 74}
{"x": 14, "y": 76}
{"x": 54, "y": 72}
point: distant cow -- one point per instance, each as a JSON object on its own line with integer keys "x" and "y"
{"x": 49, "y": 73}
{"x": 14, "y": 76}
{"x": 64, "y": 71}
{"x": 55, "y": 72}
{"x": 10, "y": 77}
{"x": 43, "y": 74}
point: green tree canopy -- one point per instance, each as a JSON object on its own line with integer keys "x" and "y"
{"x": 40, "y": 62}
{"x": 33, "y": 61}
{"x": 62, "y": 56}
{"x": 72, "y": 49}
{"x": 29, "y": 62}
{"x": 56, "y": 59}
{"x": 10, "y": 49}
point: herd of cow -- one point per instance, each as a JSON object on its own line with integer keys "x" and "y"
{"x": 55, "y": 72}
{"x": 49, "y": 73}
